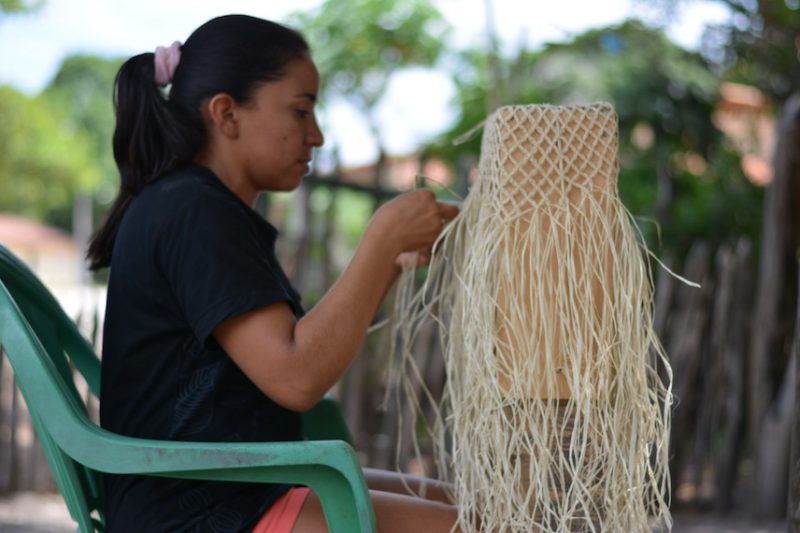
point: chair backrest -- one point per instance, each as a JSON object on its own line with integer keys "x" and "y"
{"x": 44, "y": 348}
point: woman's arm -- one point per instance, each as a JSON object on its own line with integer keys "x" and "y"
{"x": 295, "y": 362}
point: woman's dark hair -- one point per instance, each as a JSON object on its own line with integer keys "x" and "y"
{"x": 157, "y": 132}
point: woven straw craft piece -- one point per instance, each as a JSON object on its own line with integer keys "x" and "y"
{"x": 555, "y": 414}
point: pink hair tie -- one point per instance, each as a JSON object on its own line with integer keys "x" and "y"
{"x": 166, "y": 61}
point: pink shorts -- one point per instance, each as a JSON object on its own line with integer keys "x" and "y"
{"x": 281, "y": 517}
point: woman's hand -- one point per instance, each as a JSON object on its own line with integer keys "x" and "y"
{"x": 411, "y": 223}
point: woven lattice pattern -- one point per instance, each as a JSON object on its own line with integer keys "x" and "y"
{"x": 554, "y": 160}
{"x": 555, "y": 416}
{"x": 547, "y": 153}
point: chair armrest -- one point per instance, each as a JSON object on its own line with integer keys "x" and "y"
{"x": 329, "y": 468}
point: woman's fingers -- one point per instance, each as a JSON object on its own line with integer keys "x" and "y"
{"x": 447, "y": 212}
{"x": 414, "y": 220}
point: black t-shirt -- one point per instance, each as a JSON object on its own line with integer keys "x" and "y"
{"x": 189, "y": 254}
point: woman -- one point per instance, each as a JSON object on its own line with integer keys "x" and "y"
{"x": 204, "y": 338}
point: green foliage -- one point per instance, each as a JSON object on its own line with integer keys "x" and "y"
{"x": 757, "y": 46}
{"x": 81, "y": 94}
{"x": 83, "y": 89}
{"x": 43, "y": 163}
{"x": 760, "y": 45}
{"x": 353, "y": 211}
{"x": 58, "y": 144}
{"x": 658, "y": 87}
{"x": 19, "y": 6}
{"x": 675, "y": 168}
{"x": 716, "y": 207}
{"x": 358, "y": 45}
{"x": 472, "y": 99}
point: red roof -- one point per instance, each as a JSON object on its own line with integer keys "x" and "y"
{"x": 18, "y": 232}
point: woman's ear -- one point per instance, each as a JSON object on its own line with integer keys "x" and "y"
{"x": 222, "y": 112}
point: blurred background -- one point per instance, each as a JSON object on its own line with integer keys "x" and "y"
{"x": 709, "y": 111}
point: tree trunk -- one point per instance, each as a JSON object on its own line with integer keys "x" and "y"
{"x": 794, "y": 463}
{"x": 776, "y": 300}
{"x": 773, "y": 451}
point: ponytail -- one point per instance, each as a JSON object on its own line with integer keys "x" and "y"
{"x": 152, "y": 137}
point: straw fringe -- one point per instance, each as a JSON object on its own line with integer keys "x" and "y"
{"x": 517, "y": 332}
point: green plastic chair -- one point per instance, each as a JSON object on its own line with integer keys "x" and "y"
{"x": 44, "y": 346}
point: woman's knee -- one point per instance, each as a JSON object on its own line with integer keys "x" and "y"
{"x": 402, "y": 513}
{"x": 394, "y": 513}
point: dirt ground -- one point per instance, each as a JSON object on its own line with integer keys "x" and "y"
{"x": 46, "y": 513}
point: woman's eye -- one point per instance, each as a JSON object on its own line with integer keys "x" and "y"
{"x": 302, "y": 113}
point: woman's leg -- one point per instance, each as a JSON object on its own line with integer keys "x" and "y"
{"x": 394, "y": 513}
{"x": 388, "y": 481}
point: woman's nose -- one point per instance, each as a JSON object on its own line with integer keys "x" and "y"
{"x": 314, "y": 135}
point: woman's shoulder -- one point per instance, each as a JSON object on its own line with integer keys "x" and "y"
{"x": 184, "y": 192}
{"x": 192, "y": 200}
{"x": 188, "y": 184}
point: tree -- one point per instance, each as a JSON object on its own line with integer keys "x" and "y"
{"x": 514, "y": 84}
{"x": 82, "y": 92}
{"x": 675, "y": 166}
{"x": 761, "y": 45}
{"x": 19, "y": 6}
{"x": 757, "y": 46}
{"x": 358, "y": 45}
{"x": 42, "y": 163}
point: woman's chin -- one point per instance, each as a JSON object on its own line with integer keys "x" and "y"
{"x": 287, "y": 185}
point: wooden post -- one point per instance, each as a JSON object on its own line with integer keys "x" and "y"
{"x": 684, "y": 343}
{"x": 731, "y": 339}
{"x": 772, "y": 319}
{"x": 794, "y": 462}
